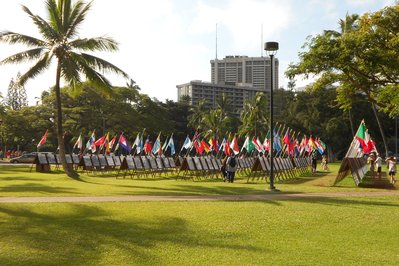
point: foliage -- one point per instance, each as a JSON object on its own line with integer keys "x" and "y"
{"x": 362, "y": 59}
{"x": 60, "y": 42}
{"x": 16, "y": 95}
{"x": 254, "y": 116}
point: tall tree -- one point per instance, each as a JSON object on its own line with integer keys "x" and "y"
{"x": 16, "y": 95}
{"x": 254, "y": 116}
{"x": 363, "y": 59}
{"x": 59, "y": 43}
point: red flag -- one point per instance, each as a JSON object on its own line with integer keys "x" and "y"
{"x": 43, "y": 140}
{"x": 112, "y": 143}
{"x": 100, "y": 141}
{"x": 234, "y": 145}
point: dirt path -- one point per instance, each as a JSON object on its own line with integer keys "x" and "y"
{"x": 269, "y": 196}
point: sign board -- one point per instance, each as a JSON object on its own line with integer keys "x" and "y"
{"x": 51, "y": 158}
{"x": 145, "y": 162}
{"x": 138, "y": 163}
{"x": 197, "y": 163}
{"x": 41, "y": 158}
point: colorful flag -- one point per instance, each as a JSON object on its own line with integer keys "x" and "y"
{"x": 234, "y": 145}
{"x": 112, "y": 143}
{"x": 226, "y": 147}
{"x": 165, "y": 144}
{"x": 320, "y": 145}
{"x": 157, "y": 145}
{"x": 303, "y": 145}
{"x": 196, "y": 142}
{"x": 215, "y": 144}
{"x": 360, "y": 135}
{"x": 187, "y": 144}
{"x": 136, "y": 142}
{"x": 205, "y": 146}
{"x": 147, "y": 146}
{"x": 43, "y": 140}
{"x": 90, "y": 143}
{"x": 100, "y": 141}
{"x": 288, "y": 142}
{"x": 266, "y": 142}
{"x": 106, "y": 144}
{"x": 171, "y": 144}
{"x": 276, "y": 142}
{"x": 79, "y": 143}
{"x": 257, "y": 144}
{"x": 311, "y": 145}
{"x": 123, "y": 143}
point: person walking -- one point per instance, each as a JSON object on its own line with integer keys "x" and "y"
{"x": 223, "y": 168}
{"x": 371, "y": 161}
{"x": 231, "y": 167}
{"x": 378, "y": 164}
{"x": 314, "y": 161}
{"x": 391, "y": 163}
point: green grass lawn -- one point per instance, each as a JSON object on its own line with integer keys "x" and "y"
{"x": 330, "y": 231}
{"x": 299, "y": 232}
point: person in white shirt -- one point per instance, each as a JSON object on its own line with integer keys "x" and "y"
{"x": 391, "y": 162}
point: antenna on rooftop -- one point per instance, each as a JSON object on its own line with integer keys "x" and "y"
{"x": 261, "y": 40}
{"x": 216, "y": 41}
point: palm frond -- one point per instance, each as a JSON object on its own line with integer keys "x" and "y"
{"x": 95, "y": 44}
{"x": 70, "y": 70}
{"x": 102, "y": 65}
{"x": 16, "y": 38}
{"x": 44, "y": 28}
{"x": 54, "y": 15}
{"x": 66, "y": 12}
{"x": 77, "y": 16}
{"x": 23, "y": 56}
{"x": 39, "y": 67}
{"x": 95, "y": 77}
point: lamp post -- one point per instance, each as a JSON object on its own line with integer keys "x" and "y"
{"x": 271, "y": 50}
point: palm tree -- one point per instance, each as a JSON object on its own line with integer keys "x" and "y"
{"x": 197, "y": 113}
{"x": 254, "y": 116}
{"x": 60, "y": 43}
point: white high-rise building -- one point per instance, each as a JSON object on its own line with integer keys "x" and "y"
{"x": 238, "y": 77}
{"x": 244, "y": 70}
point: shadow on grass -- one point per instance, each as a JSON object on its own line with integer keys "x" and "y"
{"x": 74, "y": 234}
{"x": 33, "y": 187}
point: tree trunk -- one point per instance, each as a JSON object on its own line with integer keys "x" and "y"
{"x": 351, "y": 122}
{"x": 381, "y": 130}
{"x": 60, "y": 134}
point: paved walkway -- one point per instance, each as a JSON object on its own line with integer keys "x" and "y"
{"x": 269, "y": 196}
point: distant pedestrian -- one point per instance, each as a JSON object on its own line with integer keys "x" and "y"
{"x": 378, "y": 164}
{"x": 324, "y": 163}
{"x": 223, "y": 169}
{"x": 391, "y": 163}
{"x": 314, "y": 161}
{"x": 231, "y": 167}
{"x": 371, "y": 161}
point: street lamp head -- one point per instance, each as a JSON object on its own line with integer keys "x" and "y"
{"x": 271, "y": 48}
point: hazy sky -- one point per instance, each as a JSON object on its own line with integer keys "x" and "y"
{"x": 164, "y": 43}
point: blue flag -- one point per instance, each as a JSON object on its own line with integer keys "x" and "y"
{"x": 123, "y": 143}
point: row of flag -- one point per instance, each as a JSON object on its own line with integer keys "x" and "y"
{"x": 105, "y": 144}
{"x": 287, "y": 145}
